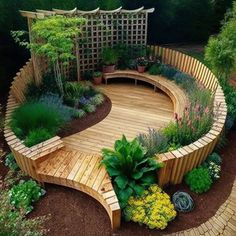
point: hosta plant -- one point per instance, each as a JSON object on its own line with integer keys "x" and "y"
{"x": 182, "y": 201}
{"x": 153, "y": 208}
{"x": 130, "y": 168}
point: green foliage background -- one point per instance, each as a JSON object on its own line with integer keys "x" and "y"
{"x": 173, "y": 21}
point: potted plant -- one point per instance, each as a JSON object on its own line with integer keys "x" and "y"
{"x": 142, "y": 62}
{"x": 109, "y": 60}
{"x": 97, "y": 77}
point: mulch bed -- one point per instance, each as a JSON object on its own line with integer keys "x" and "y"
{"x": 89, "y": 120}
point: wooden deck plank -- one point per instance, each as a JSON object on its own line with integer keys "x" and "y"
{"x": 129, "y": 115}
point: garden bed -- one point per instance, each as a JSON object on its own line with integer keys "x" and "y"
{"x": 87, "y": 212}
{"x": 78, "y": 125}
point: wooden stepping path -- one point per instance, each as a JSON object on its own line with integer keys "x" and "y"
{"x": 84, "y": 173}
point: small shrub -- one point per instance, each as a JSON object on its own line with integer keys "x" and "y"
{"x": 97, "y": 100}
{"x": 48, "y": 85}
{"x": 182, "y": 202}
{"x": 78, "y": 113}
{"x": 97, "y": 74}
{"x": 199, "y": 180}
{"x": 187, "y": 82}
{"x": 89, "y": 108}
{"x": 34, "y": 116}
{"x": 230, "y": 95}
{"x": 201, "y": 96}
{"x": 154, "y": 142}
{"x": 88, "y": 75}
{"x": 109, "y": 56}
{"x": 168, "y": 71}
{"x": 14, "y": 223}
{"x": 153, "y": 209}
{"x": 155, "y": 69}
{"x": 141, "y": 61}
{"x": 73, "y": 91}
{"x": 24, "y": 194}
{"x": 214, "y": 171}
{"x": 131, "y": 170}
{"x": 33, "y": 91}
{"x": 215, "y": 158}
{"x": 37, "y": 136}
{"x": 56, "y": 103}
{"x": 11, "y": 162}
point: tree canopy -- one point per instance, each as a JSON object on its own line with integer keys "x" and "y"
{"x": 221, "y": 49}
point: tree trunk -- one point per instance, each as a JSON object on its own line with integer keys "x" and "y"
{"x": 58, "y": 76}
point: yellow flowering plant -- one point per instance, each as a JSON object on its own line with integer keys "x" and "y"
{"x": 153, "y": 208}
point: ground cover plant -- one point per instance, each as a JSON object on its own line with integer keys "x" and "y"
{"x": 131, "y": 169}
{"x": 200, "y": 179}
{"x": 24, "y": 194}
{"x": 15, "y": 199}
{"x": 153, "y": 208}
{"x": 10, "y": 162}
{"x": 14, "y": 222}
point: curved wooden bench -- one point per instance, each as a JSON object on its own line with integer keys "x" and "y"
{"x": 177, "y": 95}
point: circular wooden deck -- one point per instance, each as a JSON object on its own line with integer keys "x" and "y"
{"x": 134, "y": 110}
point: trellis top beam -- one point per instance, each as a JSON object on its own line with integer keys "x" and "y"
{"x": 40, "y": 14}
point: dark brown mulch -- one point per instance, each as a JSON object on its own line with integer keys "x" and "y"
{"x": 89, "y": 120}
{"x": 75, "y": 213}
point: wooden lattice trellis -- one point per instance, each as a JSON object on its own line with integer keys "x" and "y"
{"x": 103, "y": 29}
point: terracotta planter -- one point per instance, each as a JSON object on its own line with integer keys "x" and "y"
{"x": 108, "y": 68}
{"x": 97, "y": 80}
{"x": 141, "y": 69}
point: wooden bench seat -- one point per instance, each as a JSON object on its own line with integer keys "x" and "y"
{"x": 82, "y": 172}
{"x": 177, "y": 95}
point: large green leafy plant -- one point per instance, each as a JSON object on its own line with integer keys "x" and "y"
{"x": 130, "y": 168}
